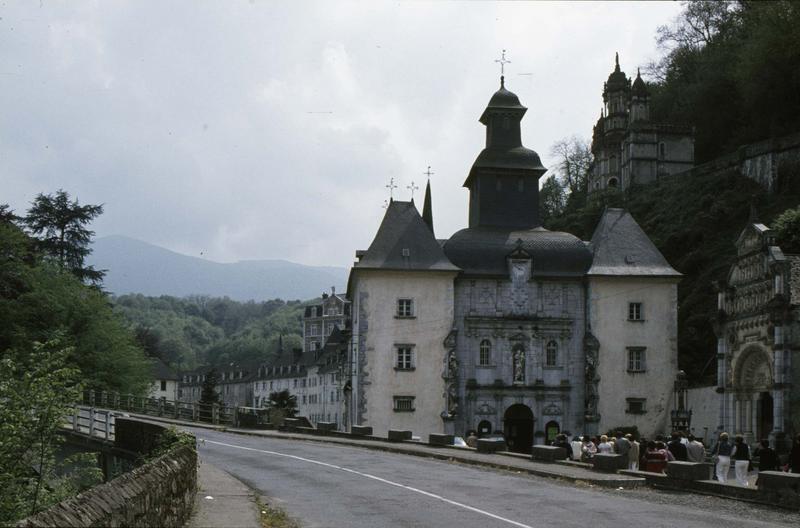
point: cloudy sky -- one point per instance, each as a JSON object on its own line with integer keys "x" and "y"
{"x": 254, "y": 129}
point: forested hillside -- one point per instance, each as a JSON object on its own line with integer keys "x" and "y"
{"x": 730, "y": 68}
{"x": 194, "y": 331}
{"x": 694, "y": 222}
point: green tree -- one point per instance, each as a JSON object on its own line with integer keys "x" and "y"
{"x": 38, "y": 388}
{"x": 552, "y": 199}
{"x": 60, "y": 226}
{"x": 787, "y": 227}
{"x": 283, "y": 401}
{"x": 208, "y": 391}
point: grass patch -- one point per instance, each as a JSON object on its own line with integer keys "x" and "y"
{"x": 271, "y": 517}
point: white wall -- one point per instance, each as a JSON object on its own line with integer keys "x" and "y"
{"x": 171, "y": 392}
{"x": 609, "y": 299}
{"x": 375, "y": 293}
{"x": 704, "y": 404}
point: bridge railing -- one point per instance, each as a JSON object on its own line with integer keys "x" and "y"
{"x": 95, "y": 423}
{"x": 220, "y": 414}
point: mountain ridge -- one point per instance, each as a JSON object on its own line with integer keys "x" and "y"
{"x": 135, "y": 266}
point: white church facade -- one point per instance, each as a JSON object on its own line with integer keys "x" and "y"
{"x": 507, "y": 326}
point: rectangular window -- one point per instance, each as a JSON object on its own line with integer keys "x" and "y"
{"x": 636, "y": 405}
{"x": 636, "y": 359}
{"x": 314, "y": 329}
{"x": 404, "y": 404}
{"x": 405, "y": 357}
{"x": 635, "y": 311}
{"x": 304, "y": 399}
{"x": 405, "y": 308}
{"x": 163, "y": 385}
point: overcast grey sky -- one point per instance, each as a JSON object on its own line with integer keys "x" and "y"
{"x": 252, "y": 129}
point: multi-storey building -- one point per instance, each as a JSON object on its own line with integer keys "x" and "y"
{"x": 320, "y": 319}
{"x": 507, "y": 326}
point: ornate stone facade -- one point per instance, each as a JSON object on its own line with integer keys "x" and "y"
{"x": 628, "y": 147}
{"x": 758, "y": 338}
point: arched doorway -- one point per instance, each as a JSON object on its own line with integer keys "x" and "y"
{"x": 485, "y": 428}
{"x": 518, "y": 427}
{"x": 551, "y": 430}
{"x": 753, "y": 405}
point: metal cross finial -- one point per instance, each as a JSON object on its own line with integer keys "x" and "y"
{"x": 502, "y": 60}
{"x": 413, "y": 188}
{"x": 391, "y": 186}
{"x": 428, "y": 172}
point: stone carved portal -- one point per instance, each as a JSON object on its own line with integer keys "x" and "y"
{"x": 450, "y": 377}
{"x": 753, "y": 388}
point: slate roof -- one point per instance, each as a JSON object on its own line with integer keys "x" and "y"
{"x": 621, "y": 248}
{"x": 404, "y": 242}
{"x": 484, "y": 251}
{"x": 161, "y": 371}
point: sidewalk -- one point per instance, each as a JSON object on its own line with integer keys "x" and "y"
{"x": 505, "y": 461}
{"x": 222, "y": 500}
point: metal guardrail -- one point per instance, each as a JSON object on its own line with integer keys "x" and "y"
{"x": 194, "y": 412}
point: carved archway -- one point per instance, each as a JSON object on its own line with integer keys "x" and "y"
{"x": 753, "y": 371}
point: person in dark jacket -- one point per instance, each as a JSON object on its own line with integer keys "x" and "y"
{"x": 561, "y": 441}
{"x": 794, "y": 456}
{"x": 741, "y": 458}
{"x": 767, "y": 457}
{"x": 722, "y": 454}
{"x": 677, "y": 448}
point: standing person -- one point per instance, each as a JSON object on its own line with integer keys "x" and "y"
{"x": 767, "y": 457}
{"x": 654, "y": 460}
{"x": 589, "y": 448}
{"x": 722, "y": 451}
{"x": 741, "y": 457}
{"x": 695, "y": 450}
{"x": 621, "y": 445}
{"x": 677, "y": 448}
{"x": 633, "y": 453}
{"x": 794, "y": 456}
{"x": 605, "y": 446}
{"x": 577, "y": 448}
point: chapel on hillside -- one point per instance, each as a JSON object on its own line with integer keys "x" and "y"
{"x": 507, "y": 326}
{"x": 630, "y": 148}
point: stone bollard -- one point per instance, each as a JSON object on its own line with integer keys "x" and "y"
{"x": 544, "y": 453}
{"x": 609, "y": 462}
{"x": 779, "y": 487}
{"x": 491, "y": 445}
{"x": 396, "y": 435}
{"x": 688, "y": 470}
{"x": 324, "y": 427}
{"x": 361, "y": 430}
{"x": 440, "y": 439}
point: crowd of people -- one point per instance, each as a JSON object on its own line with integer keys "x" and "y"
{"x": 653, "y": 455}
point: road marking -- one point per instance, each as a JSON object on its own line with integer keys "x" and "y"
{"x": 379, "y": 479}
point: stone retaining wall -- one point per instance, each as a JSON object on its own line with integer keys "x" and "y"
{"x": 158, "y": 493}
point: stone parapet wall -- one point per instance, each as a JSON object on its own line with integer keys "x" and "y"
{"x": 159, "y": 493}
{"x": 761, "y": 161}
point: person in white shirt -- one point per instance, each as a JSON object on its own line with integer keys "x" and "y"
{"x": 605, "y": 446}
{"x": 577, "y": 447}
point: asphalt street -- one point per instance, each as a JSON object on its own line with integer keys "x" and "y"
{"x": 334, "y": 486}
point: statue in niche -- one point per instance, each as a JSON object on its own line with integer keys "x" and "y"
{"x": 450, "y": 375}
{"x": 591, "y": 348}
{"x": 519, "y": 365}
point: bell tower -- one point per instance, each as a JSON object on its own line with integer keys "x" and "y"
{"x": 504, "y": 180}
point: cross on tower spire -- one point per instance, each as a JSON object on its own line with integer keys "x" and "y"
{"x": 391, "y": 186}
{"x": 412, "y": 188}
{"x": 428, "y": 172}
{"x": 502, "y": 61}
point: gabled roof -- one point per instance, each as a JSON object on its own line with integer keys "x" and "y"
{"x": 161, "y": 371}
{"x": 621, "y": 248}
{"x": 404, "y": 242}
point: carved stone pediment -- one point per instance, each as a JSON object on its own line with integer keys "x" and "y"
{"x": 485, "y": 409}
{"x": 518, "y": 337}
{"x": 551, "y": 409}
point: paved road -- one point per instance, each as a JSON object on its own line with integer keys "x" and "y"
{"x": 333, "y": 486}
